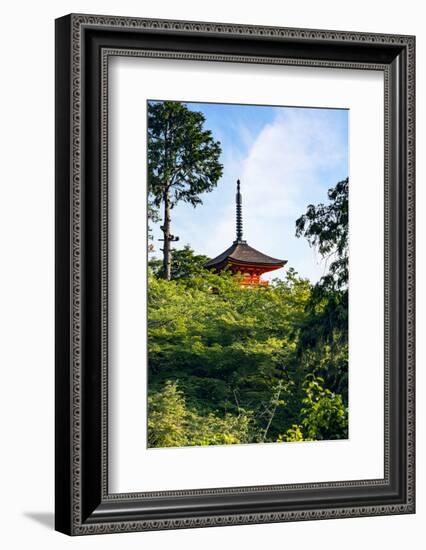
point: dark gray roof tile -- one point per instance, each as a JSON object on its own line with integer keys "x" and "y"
{"x": 241, "y": 252}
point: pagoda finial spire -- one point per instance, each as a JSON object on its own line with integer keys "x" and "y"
{"x": 239, "y": 214}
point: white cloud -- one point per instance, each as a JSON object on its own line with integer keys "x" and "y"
{"x": 289, "y": 165}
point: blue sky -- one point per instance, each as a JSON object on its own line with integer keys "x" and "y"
{"x": 286, "y": 158}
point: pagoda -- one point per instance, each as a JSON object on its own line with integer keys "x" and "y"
{"x": 242, "y": 258}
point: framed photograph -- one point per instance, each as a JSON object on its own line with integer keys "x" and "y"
{"x": 234, "y": 274}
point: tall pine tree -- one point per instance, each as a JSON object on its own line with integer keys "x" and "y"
{"x": 183, "y": 162}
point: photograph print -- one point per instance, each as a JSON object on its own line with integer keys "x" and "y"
{"x": 248, "y": 274}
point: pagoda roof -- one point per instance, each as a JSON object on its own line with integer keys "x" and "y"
{"x": 242, "y": 253}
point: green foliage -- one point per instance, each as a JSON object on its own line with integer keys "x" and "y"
{"x": 326, "y": 227}
{"x": 323, "y": 347}
{"x": 153, "y": 217}
{"x": 294, "y": 433}
{"x": 233, "y": 350}
{"x": 236, "y": 365}
{"x": 185, "y": 264}
{"x": 183, "y": 163}
{"x": 167, "y": 418}
{"x": 172, "y": 424}
{"x": 324, "y": 414}
{"x": 183, "y": 157}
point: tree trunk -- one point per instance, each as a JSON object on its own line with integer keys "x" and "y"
{"x": 167, "y": 253}
{"x": 275, "y": 402}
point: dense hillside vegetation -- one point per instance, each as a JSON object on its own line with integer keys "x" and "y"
{"x": 265, "y": 364}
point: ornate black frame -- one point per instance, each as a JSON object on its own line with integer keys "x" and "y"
{"x": 83, "y": 45}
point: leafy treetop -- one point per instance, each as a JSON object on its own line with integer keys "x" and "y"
{"x": 183, "y": 157}
{"x": 326, "y": 228}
